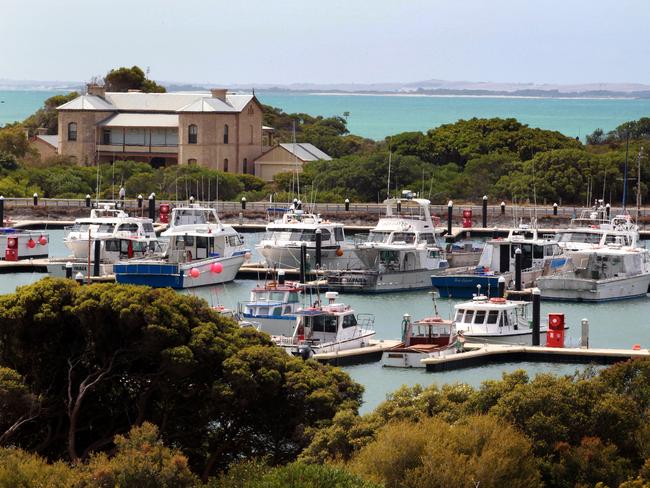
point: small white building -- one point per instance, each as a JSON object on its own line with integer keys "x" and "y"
{"x": 287, "y": 157}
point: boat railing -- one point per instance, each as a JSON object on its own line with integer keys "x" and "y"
{"x": 366, "y": 321}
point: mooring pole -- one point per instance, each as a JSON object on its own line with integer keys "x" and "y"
{"x": 152, "y": 207}
{"x": 537, "y": 298}
{"x": 319, "y": 248}
{"x": 584, "y": 336}
{"x": 450, "y": 211}
{"x": 485, "y": 210}
{"x": 502, "y": 287}
{"x": 96, "y": 262}
{"x": 518, "y": 269}
{"x": 303, "y": 263}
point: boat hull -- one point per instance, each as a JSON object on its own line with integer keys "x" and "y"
{"x": 162, "y": 274}
{"x": 57, "y": 268}
{"x": 289, "y": 257}
{"x": 374, "y": 282}
{"x": 466, "y": 285}
{"x": 401, "y": 357}
{"x": 583, "y": 290}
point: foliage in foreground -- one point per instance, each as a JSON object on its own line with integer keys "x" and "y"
{"x": 84, "y": 364}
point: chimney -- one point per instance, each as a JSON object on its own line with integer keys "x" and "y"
{"x": 95, "y": 89}
{"x": 219, "y": 93}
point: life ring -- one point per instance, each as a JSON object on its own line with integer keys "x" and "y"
{"x": 555, "y": 320}
{"x": 498, "y": 300}
{"x": 431, "y": 320}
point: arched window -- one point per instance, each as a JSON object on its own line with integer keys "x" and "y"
{"x": 225, "y": 134}
{"x": 225, "y": 165}
{"x": 251, "y": 127}
{"x": 192, "y": 134}
{"x": 245, "y": 165}
{"x": 72, "y": 131}
{"x": 191, "y": 162}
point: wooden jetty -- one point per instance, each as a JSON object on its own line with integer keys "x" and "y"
{"x": 360, "y": 355}
{"x": 479, "y": 355}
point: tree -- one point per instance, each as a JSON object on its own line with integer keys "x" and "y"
{"x": 125, "y": 79}
{"x": 104, "y": 358}
{"x": 14, "y": 141}
{"x": 479, "y": 450}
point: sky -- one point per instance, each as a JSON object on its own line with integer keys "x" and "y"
{"x": 329, "y": 41}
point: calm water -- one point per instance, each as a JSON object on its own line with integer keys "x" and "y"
{"x": 377, "y": 116}
{"x": 618, "y": 325}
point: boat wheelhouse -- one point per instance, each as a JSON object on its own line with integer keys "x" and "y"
{"x": 495, "y": 321}
{"x": 539, "y": 256}
{"x": 600, "y": 274}
{"x": 400, "y": 252}
{"x": 328, "y": 328}
{"x": 285, "y": 237}
{"x": 274, "y": 306}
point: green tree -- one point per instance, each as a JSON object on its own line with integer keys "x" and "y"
{"x": 125, "y": 79}
{"x": 23, "y": 469}
{"x": 14, "y": 141}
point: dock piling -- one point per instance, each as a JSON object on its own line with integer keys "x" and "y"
{"x": 347, "y": 204}
{"x": 97, "y": 257}
{"x": 584, "y": 336}
{"x": 518, "y": 269}
{"x": 79, "y": 278}
{"x": 303, "y": 263}
{"x": 68, "y": 270}
{"x": 35, "y": 198}
{"x": 555, "y": 209}
{"x": 503, "y": 208}
{"x": 319, "y": 248}
{"x": 502, "y": 287}
{"x": 140, "y": 198}
{"x": 485, "y": 210}
{"x": 450, "y": 211}
{"x": 87, "y": 200}
{"x": 152, "y": 207}
{"x": 2, "y": 211}
{"x": 537, "y": 298}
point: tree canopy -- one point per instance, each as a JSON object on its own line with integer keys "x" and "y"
{"x": 124, "y": 79}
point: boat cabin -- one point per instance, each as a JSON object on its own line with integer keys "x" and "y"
{"x": 334, "y": 322}
{"x": 273, "y": 300}
{"x": 202, "y": 244}
{"x": 428, "y": 331}
{"x": 610, "y": 263}
{"x": 121, "y": 248}
{"x": 499, "y": 254}
{"x": 193, "y": 215}
{"x": 482, "y": 314}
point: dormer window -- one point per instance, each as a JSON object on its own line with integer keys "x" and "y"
{"x": 72, "y": 131}
{"x": 192, "y": 134}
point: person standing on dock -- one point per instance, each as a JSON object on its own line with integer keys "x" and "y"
{"x": 122, "y": 194}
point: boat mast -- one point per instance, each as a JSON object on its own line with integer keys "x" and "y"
{"x": 638, "y": 184}
{"x": 627, "y": 150}
{"x": 390, "y": 159}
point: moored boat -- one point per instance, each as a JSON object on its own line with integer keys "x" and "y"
{"x": 332, "y": 327}
{"x": 274, "y": 305}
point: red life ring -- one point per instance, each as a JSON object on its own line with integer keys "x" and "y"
{"x": 498, "y": 300}
{"x": 555, "y": 320}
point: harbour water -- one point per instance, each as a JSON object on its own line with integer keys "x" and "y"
{"x": 378, "y": 116}
{"x": 613, "y": 324}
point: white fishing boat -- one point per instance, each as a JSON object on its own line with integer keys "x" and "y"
{"x": 105, "y": 222}
{"x": 496, "y": 321}
{"x": 611, "y": 272}
{"x": 430, "y": 337}
{"x": 275, "y": 306}
{"x": 540, "y": 255}
{"x": 285, "y": 237}
{"x": 201, "y": 251}
{"x": 400, "y": 253}
{"x": 593, "y": 228}
{"x": 328, "y": 328}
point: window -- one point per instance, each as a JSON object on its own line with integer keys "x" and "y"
{"x": 459, "y": 315}
{"x": 245, "y": 165}
{"x": 349, "y": 321}
{"x": 538, "y": 252}
{"x": 251, "y": 129}
{"x": 225, "y": 165}
{"x": 191, "y": 162}
{"x": 106, "y": 136}
{"x": 338, "y": 234}
{"x": 225, "y": 134}
{"x": 192, "y": 134}
{"x": 479, "y": 317}
{"x": 72, "y": 131}
{"x": 492, "y": 316}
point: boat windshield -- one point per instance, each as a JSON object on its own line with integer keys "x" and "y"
{"x": 106, "y": 228}
{"x": 321, "y": 323}
{"x": 378, "y": 236}
{"x": 580, "y": 237}
{"x": 306, "y": 235}
{"x": 274, "y": 296}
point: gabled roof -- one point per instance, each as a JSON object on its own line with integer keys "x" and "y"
{"x": 306, "y": 151}
{"x": 159, "y": 102}
{"x": 141, "y": 120}
{"x": 233, "y": 103}
{"x": 87, "y": 102}
{"x": 49, "y": 139}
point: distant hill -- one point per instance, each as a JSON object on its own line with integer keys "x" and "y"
{"x": 426, "y": 87}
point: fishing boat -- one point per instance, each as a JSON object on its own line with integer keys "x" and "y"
{"x": 496, "y": 321}
{"x": 106, "y": 221}
{"x": 285, "y": 237}
{"x": 540, "y": 255}
{"x": 594, "y": 228}
{"x": 612, "y": 272}
{"x": 274, "y": 305}
{"x": 426, "y": 338}
{"x": 400, "y": 253}
{"x": 18, "y": 244}
{"x": 332, "y": 327}
{"x": 201, "y": 251}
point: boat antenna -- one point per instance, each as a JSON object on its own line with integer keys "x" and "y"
{"x": 534, "y": 193}
{"x": 435, "y": 304}
{"x": 638, "y": 184}
{"x": 295, "y": 160}
{"x": 627, "y": 150}
{"x": 390, "y": 160}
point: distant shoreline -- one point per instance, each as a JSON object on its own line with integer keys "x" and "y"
{"x": 428, "y": 95}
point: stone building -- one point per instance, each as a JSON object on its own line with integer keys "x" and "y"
{"x": 287, "y": 157}
{"x": 219, "y": 130}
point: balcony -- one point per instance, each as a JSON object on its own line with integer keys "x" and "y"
{"x": 139, "y": 149}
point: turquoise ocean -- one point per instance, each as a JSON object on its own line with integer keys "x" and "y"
{"x": 378, "y": 116}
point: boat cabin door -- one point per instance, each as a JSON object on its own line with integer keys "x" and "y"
{"x": 202, "y": 247}
{"x": 504, "y": 258}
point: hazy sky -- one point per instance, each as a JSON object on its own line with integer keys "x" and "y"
{"x": 275, "y": 41}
